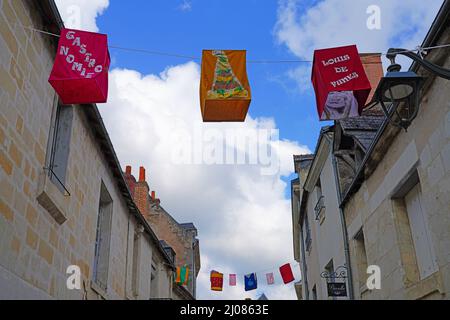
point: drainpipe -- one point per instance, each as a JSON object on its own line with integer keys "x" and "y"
{"x": 126, "y": 257}
{"x": 343, "y": 224}
{"x": 193, "y": 269}
{"x": 305, "y": 269}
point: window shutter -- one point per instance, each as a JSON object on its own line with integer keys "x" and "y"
{"x": 426, "y": 259}
{"x": 60, "y": 154}
{"x": 105, "y": 238}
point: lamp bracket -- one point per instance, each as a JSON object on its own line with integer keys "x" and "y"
{"x": 439, "y": 71}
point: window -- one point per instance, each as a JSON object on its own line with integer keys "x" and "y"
{"x": 319, "y": 209}
{"x": 103, "y": 239}
{"x": 318, "y": 189}
{"x": 60, "y": 146}
{"x": 314, "y": 293}
{"x": 308, "y": 240}
{"x": 135, "y": 261}
{"x": 154, "y": 282}
{"x": 426, "y": 259}
{"x": 331, "y": 277}
{"x": 361, "y": 257}
{"x": 329, "y": 268}
{"x": 320, "y": 205}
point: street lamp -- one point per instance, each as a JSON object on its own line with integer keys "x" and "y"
{"x": 404, "y": 87}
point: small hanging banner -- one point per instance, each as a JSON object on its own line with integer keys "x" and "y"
{"x": 182, "y": 275}
{"x": 80, "y": 70}
{"x": 232, "y": 280}
{"x": 216, "y": 281}
{"x": 270, "y": 278}
{"x": 286, "y": 273}
{"x": 340, "y": 83}
{"x": 224, "y": 87}
{"x": 251, "y": 282}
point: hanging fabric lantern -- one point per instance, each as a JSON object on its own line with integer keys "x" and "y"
{"x": 340, "y": 83}
{"x": 216, "y": 281}
{"x": 270, "y": 278}
{"x": 224, "y": 87}
{"x": 286, "y": 273}
{"x": 251, "y": 282}
{"x": 232, "y": 280}
{"x": 182, "y": 275}
{"x": 80, "y": 70}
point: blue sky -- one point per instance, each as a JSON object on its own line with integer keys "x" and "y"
{"x": 243, "y": 217}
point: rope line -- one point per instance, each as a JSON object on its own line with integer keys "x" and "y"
{"x": 153, "y": 52}
{"x": 293, "y": 264}
{"x": 421, "y": 51}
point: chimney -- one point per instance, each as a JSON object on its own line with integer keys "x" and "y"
{"x": 153, "y": 195}
{"x": 141, "y": 174}
{"x": 141, "y": 196}
{"x": 374, "y": 70}
{"x": 130, "y": 180}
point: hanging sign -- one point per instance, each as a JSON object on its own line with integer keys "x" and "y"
{"x": 250, "y": 281}
{"x": 224, "y": 87}
{"x": 286, "y": 273}
{"x": 337, "y": 289}
{"x": 232, "y": 280}
{"x": 182, "y": 275}
{"x": 216, "y": 281}
{"x": 80, "y": 70}
{"x": 340, "y": 83}
{"x": 270, "y": 279}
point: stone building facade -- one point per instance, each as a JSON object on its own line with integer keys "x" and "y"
{"x": 397, "y": 202}
{"x": 180, "y": 237}
{"x": 63, "y": 198}
{"x": 321, "y": 253}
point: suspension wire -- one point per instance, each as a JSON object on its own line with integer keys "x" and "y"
{"x": 292, "y": 263}
{"x": 418, "y": 49}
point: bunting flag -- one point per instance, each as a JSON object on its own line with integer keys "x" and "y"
{"x": 251, "y": 282}
{"x": 224, "y": 87}
{"x": 340, "y": 83}
{"x": 80, "y": 70}
{"x": 232, "y": 280}
{"x": 182, "y": 275}
{"x": 270, "y": 278}
{"x": 216, "y": 281}
{"x": 286, "y": 273}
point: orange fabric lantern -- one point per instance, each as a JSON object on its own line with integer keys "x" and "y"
{"x": 224, "y": 88}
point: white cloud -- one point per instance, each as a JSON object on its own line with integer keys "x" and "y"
{"x": 243, "y": 218}
{"x": 185, "y": 6}
{"x": 331, "y": 23}
{"x": 81, "y": 14}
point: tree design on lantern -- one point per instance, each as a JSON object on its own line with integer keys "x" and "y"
{"x": 226, "y": 84}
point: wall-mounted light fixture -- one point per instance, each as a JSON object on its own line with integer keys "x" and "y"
{"x": 399, "y": 87}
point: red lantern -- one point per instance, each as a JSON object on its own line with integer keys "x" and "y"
{"x": 340, "y": 83}
{"x": 80, "y": 70}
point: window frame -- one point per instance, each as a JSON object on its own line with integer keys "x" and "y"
{"x": 105, "y": 211}
{"x": 54, "y": 144}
